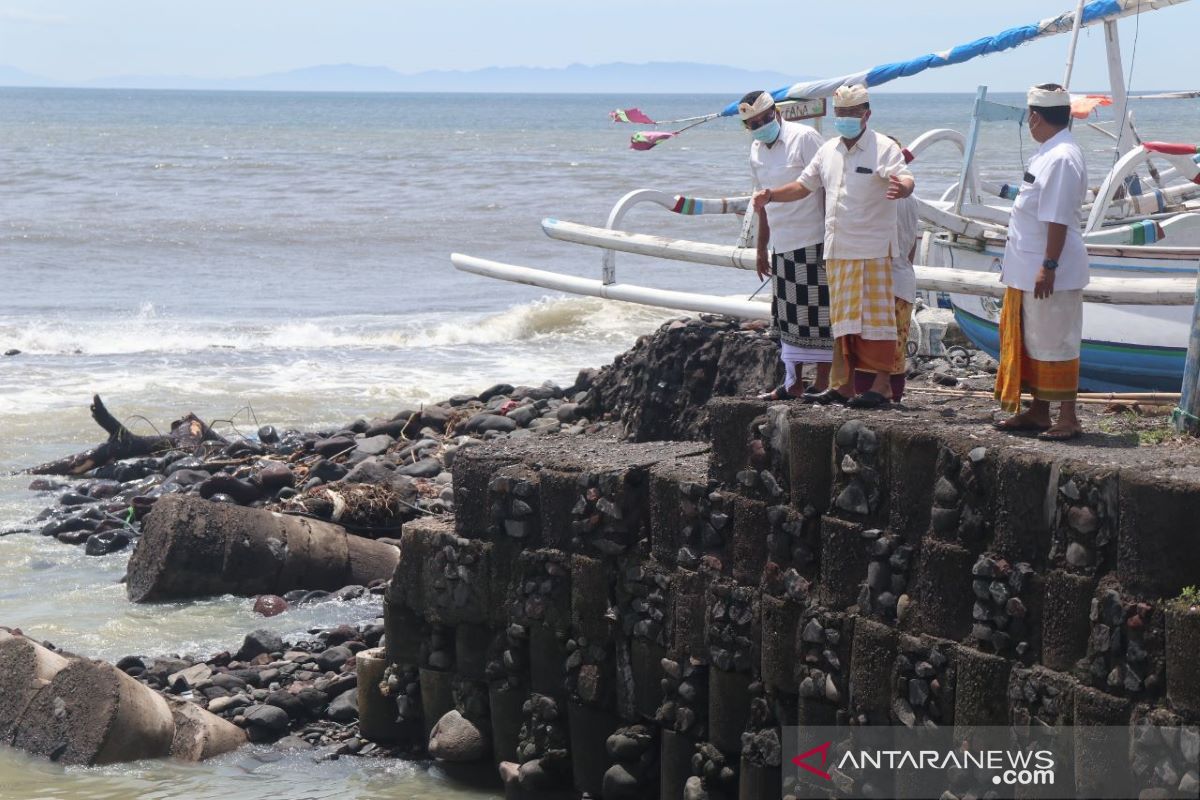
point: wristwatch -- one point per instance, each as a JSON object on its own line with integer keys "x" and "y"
{"x": 1050, "y": 263}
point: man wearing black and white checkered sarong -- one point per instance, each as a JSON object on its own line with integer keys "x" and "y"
{"x": 800, "y": 293}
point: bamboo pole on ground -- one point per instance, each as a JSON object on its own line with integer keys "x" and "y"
{"x": 1085, "y": 398}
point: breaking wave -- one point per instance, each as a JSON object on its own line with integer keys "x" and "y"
{"x": 146, "y": 331}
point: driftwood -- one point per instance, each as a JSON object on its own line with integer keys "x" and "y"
{"x": 186, "y": 434}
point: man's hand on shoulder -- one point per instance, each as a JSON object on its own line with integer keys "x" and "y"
{"x": 899, "y": 188}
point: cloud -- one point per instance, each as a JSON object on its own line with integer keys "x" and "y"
{"x": 31, "y": 18}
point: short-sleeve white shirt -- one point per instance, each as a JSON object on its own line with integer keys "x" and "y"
{"x": 798, "y": 224}
{"x": 860, "y": 222}
{"x": 904, "y": 279}
{"x": 1054, "y": 189}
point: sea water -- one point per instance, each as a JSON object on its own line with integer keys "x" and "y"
{"x": 276, "y": 258}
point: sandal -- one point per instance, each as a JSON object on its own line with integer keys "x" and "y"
{"x": 868, "y": 400}
{"x": 810, "y": 395}
{"x": 1057, "y": 434}
{"x": 777, "y": 394}
{"x": 830, "y": 396}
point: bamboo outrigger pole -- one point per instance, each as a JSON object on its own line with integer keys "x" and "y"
{"x": 1187, "y": 414}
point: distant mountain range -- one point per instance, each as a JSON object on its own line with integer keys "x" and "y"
{"x": 654, "y": 77}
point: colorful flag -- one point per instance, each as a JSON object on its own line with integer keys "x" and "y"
{"x": 631, "y": 115}
{"x": 645, "y": 140}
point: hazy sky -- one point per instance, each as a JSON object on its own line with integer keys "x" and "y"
{"x": 86, "y": 39}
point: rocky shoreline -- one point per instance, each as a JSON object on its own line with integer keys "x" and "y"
{"x": 371, "y": 477}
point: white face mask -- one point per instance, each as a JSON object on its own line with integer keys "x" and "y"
{"x": 848, "y": 127}
{"x": 767, "y": 133}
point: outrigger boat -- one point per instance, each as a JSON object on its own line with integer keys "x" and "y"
{"x": 1138, "y": 310}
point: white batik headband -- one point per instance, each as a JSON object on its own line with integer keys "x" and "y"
{"x": 750, "y": 110}
{"x": 1047, "y": 98}
{"x": 850, "y": 96}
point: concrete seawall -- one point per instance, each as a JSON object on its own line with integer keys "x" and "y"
{"x": 632, "y": 619}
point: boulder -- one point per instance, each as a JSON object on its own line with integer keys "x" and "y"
{"x": 455, "y": 738}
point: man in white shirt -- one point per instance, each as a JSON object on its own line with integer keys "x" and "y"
{"x": 800, "y": 300}
{"x": 862, "y": 173}
{"x": 1045, "y": 269}
{"x": 904, "y": 287}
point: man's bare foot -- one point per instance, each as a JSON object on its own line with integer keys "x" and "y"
{"x": 1025, "y": 421}
{"x": 1061, "y": 432}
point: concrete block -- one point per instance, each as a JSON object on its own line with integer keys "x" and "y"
{"x": 473, "y": 470}
{"x": 729, "y": 421}
{"x": 376, "y": 713}
{"x": 1183, "y": 666}
{"x": 912, "y": 454}
{"x": 25, "y": 668}
{"x": 547, "y": 657}
{"x": 675, "y": 761}
{"x": 591, "y": 597}
{"x": 404, "y": 631}
{"x": 810, "y": 457}
{"x": 871, "y": 658}
{"x": 689, "y": 615}
{"x": 646, "y": 659}
{"x": 780, "y": 618}
{"x": 92, "y": 714}
{"x": 981, "y": 696}
{"x": 666, "y": 520}
{"x": 1101, "y": 745}
{"x": 728, "y": 709}
{"x": 507, "y": 718}
{"x": 504, "y": 568}
{"x": 560, "y": 492}
{"x": 758, "y": 782}
{"x": 1156, "y": 551}
{"x": 418, "y": 542}
{"x": 750, "y": 529}
{"x": 471, "y": 645}
{"x": 1065, "y": 627}
{"x": 843, "y": 562}
{"x": 590, "y": 729}
{"x": 942, "y": 595}
{"x": 1022, "y": 529}
{"x": 437, "y": 696}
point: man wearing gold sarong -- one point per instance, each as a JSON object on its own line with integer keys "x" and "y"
{"x": 1045, "y": 270}
{"x": 862, "y": 172}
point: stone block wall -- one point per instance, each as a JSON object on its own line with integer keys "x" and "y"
{"x": 639, "y": 620}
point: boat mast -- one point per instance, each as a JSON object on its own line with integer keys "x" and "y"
{"x": 1126, "y": 138}
{"x": 1074, "y": 43}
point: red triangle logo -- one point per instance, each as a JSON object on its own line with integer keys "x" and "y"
{"x": 823, "y": 749}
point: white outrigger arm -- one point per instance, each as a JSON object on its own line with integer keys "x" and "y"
{"x": 1137, "y": 291}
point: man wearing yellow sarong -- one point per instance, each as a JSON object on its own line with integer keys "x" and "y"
{"x": 862, "y": 172}
{"x": 1045, "y": 270}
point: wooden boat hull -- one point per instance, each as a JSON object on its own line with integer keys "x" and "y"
{"x": 1125, "y": 347}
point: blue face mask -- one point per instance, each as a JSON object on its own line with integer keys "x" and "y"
{"x": 848, "y": 127}
{"x": 767, "y": 133}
